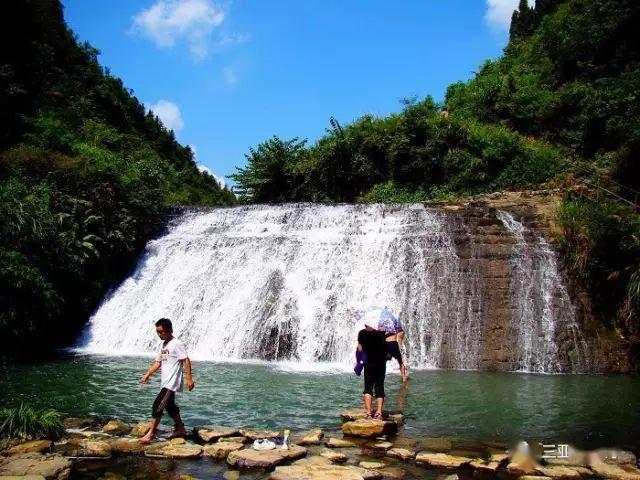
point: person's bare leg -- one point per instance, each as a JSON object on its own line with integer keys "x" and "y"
{"x": 380, "y": 405}
{"x": 368, "y": 403}
{"x": 404, "y": 372}
{"x": 179, "y": 430}
{"x": 151, "y": 434}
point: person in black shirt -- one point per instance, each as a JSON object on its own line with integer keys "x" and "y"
{"x": 372, "y": 343}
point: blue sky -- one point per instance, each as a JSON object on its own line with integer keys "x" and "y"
{"x": 226, "y": 75}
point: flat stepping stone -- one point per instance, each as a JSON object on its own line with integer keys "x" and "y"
{"x": 140, "y": 429}
{"x": 311, "y": 437}
{"x": 401, "y": 453}
{"x": 314, "y": 460}
{"x": 323, "y": 472}
{"x": 250, "y": 458}
{"x": 256, "y": 434}
{"x": 379, "y": 445}
{"x": 484, "y": 466}
{"x": 132, "y": 445}
{"x": 372, "y": 465}
{"x": 396, "y": 417}
{"x": 355, "y": 414}
{"x": 238, "y": 439}
{"x": 214, "y": 434}
{"x": 392, "y": 472}
{"x": 48, "y": 466}
{"x": 116, "y": 427}
{"x": 559, "y": 472}
{"x": 221, "y": 450}
{"x": 177, "y": 451}
{"x": 84, "y": 448}
{"x": 441, "y": 460}
{"x": 340, "y": 443}
{"x": 369, "y": 428}
{"x": 615, "y": 472}
{"x": 498, "y": 457}
{"x": 333, "y": 456}
{"x": 81, "y": 433}
{"x": 359, "y": 414}
{"x": 38, "y": 446}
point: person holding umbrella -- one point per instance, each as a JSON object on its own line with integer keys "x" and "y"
{"x": 372, "y": 343}
{"x": 383, "y": 320}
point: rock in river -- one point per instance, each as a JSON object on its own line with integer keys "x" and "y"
{"x": 221, "y": 450}
{"x": 323, "y": 472}
{"x": 250, "y": 458}
{"x": 50, "y": 466}
{"x": 369, "y": 428}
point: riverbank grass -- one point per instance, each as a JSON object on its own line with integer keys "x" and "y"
{"x": 28, "y": 423}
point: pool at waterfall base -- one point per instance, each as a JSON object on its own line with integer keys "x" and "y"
{"x": 468, "y": 407}
{"x": 587, "y": 411}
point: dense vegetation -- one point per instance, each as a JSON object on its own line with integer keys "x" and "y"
{"x": 560, "y": 106}
{"x": 27, "y": 423}
{"x": 87, "y": 177}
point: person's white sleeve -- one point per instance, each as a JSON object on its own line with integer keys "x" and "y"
{"x": 159, "y": 355}
{"x": 181, "y": 351}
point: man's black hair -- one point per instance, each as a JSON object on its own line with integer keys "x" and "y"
{"x": 165, "y": 323}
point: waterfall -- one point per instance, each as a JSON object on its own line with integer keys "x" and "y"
{"x": 280, "y": 283}
{"x": 540, "y": 304}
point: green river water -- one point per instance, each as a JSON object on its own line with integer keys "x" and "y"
{"x": 585, "y": 411}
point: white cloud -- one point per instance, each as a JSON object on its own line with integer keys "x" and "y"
{"x": 230, "y": 75}
{"x": 169, "y": 114}
{"x": 205, "y": 169}
{"x": 499, "y": 12}
{"x": 169, "y": 21}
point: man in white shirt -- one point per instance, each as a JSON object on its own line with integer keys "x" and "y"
{"x": 173, "y": 359}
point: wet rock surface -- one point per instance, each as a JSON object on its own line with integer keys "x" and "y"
{"x": 214, "y": 434}
{"x": 49, "y": 466}
{"x": 442, "y": 460}
{"x": 323, "y": 472}
{"x": 311, "y": 437}
{"x": 39, "y": 446}
{"x": 391, "y": 457}
{"x": 249, "y": 458}
{"x": 116, "y": 427}
{"x": 221, "y": 450}
{"x": 369, "y": 428}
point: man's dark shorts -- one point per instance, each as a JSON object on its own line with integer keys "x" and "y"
{"x": 166, "y": 400}
{"x": 393, "y": 351}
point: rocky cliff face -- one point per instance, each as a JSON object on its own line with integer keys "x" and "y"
{"x": 503, "y": 261}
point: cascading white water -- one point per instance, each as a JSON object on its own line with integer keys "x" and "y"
{"x": 540, "y": 304}
{"x": 280, "y": 283}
